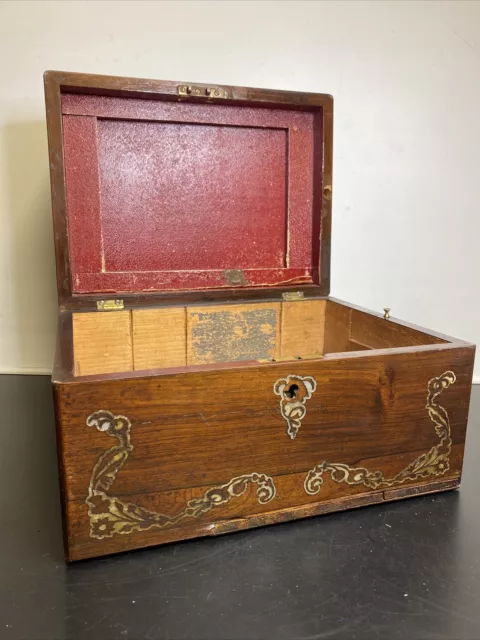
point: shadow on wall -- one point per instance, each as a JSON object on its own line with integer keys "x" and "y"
{"x": 33, "y": 297}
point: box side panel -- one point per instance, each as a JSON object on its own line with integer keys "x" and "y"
{"x": 150, "y": 460}
{"x": 376, "y": 333}
{"x": 61, "y": 452}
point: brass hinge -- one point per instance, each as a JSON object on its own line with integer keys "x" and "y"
{"x": 203, "y": 92}
{"x": 109, "y": 305}
{"x": 293, "y": 295}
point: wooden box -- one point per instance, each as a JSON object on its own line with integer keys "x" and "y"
{"x": 204, "y": 380}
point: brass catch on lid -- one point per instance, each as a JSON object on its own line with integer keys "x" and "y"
{"x": 386, "y": 313}
{"x": 293, "y": 295}
{"x": 109, "y": 305}
{"x": 203, "y": 92}
{"x": 235, "y": 277}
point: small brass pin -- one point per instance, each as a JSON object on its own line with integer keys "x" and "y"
{"x": 386, "y": 314}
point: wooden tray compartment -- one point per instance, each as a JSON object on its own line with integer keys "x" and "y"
{"x": 180, "y": 336}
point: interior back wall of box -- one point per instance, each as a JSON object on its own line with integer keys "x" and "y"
{"x": 404, "y": 77}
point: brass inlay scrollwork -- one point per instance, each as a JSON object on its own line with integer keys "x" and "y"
{"x": 434, "y": 462}
{"x": 294, "y": 391}
{"x": 109, "y": 515}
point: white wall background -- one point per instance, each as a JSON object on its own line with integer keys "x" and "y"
{"x": 406, "y": 80}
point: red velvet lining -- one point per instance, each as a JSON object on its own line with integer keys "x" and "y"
{"x": 167, "y": 195}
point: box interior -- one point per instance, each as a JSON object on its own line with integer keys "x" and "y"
{"x": 182, "y": 336}
{"x": 165, "y": 196}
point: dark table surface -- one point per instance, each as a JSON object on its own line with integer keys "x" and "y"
{"x": 408, "y": 569}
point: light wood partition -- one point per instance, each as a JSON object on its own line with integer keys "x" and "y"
{"x": 102, "y": 342}
{"x": 141, "y": 339}
{"x": 159, "y": 338}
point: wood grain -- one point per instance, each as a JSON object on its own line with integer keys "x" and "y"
{"x": 221, "y": 527}
{"x": 206, "y": 427}
{"x": 337, "y": 328}
{"x": 302, "y": 328}
{"x": 353, "y": 345}
{"x": 159, "y": 338}
{"x": 378, "y": 333}
{"x": 103, "y": 342}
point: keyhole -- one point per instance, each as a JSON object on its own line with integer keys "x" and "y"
{"x": 291, "y": 392}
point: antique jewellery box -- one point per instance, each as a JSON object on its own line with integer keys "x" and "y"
{"x": 205, "y": 381}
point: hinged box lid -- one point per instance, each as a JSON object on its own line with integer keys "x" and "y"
{"x": 161, "y": 189}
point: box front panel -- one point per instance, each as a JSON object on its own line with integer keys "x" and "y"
{"x": 150, "y": 460}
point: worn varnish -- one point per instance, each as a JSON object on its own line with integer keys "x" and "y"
{"x": 233, "y": 332}
{"x": 194, "y": 431}
{"x": 226, "y": 389}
